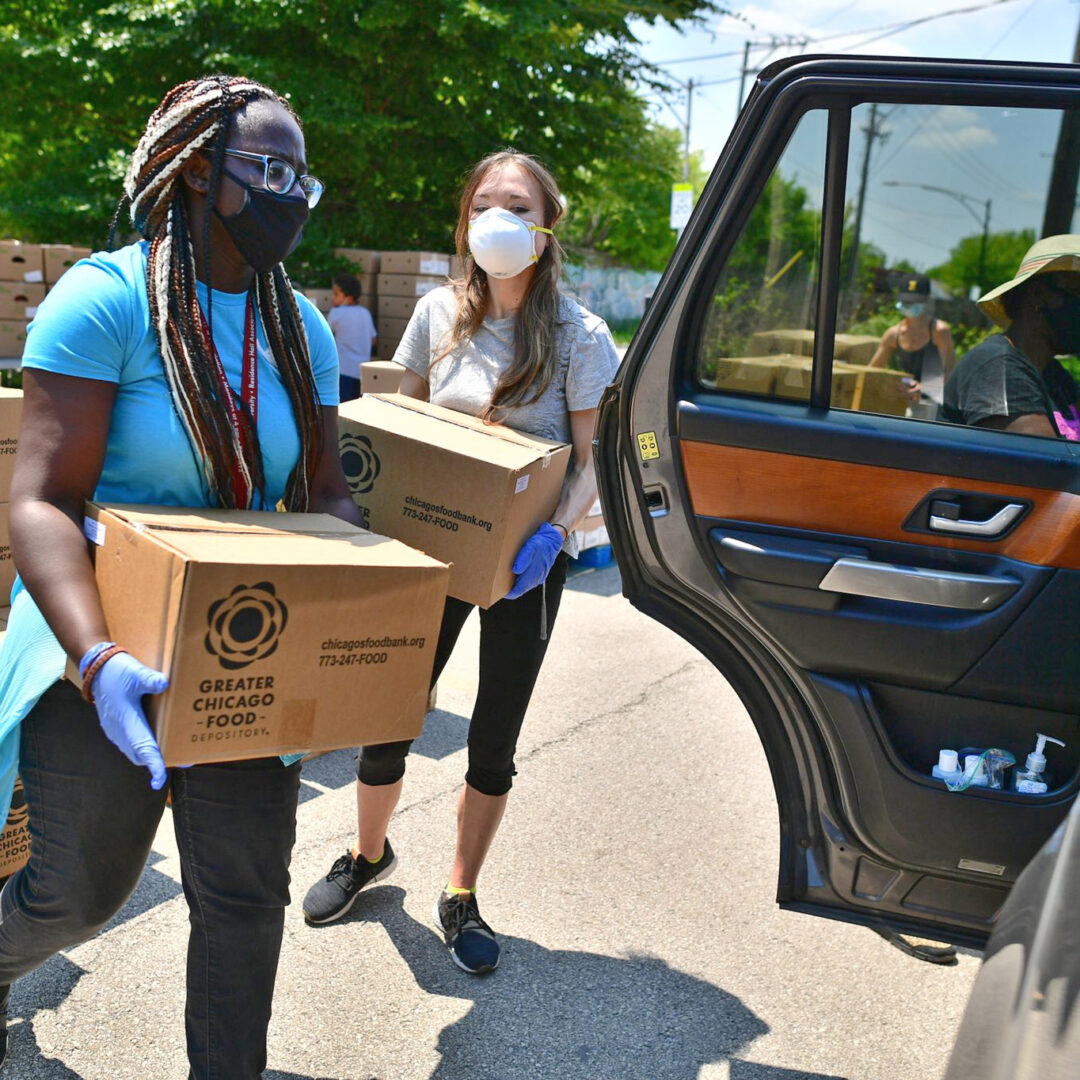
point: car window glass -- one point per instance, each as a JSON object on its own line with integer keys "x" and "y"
{"x": 943, "y": 204}
{"x": 758, "y": 336}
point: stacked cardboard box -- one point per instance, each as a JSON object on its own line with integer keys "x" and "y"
{"x": 365, "y": 265}
{"x": 26, "y": 273}
{"x": 592, "y": 532}
{"x": 404, "y": 277}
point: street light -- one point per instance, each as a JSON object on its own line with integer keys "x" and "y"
{"x": 965, "y": 201}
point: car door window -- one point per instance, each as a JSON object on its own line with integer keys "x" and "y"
{"x": 943, "y": 204}
{"x": 759, "y": 330}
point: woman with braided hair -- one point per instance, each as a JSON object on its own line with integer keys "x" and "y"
{"x": 180, "y": 370}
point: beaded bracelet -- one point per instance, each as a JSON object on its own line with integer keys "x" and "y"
{"x": 92, "y": 654}
{"x": 98, "y": 663}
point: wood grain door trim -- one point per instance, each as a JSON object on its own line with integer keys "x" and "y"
{"x": 822, "y": 495}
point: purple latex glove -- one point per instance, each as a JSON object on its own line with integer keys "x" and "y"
{"x": 535, "y": 559}
{"x": 118, "y": 691}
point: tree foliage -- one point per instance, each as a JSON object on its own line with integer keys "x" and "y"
{"x": 1004, "y": 250}
{"x": 398, "y": 99}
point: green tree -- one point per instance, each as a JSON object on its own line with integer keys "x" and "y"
{"x": 398, "y": 98}
{"x": 1004, "y": 250}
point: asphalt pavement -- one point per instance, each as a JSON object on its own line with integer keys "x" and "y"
{"x": 632, "y": 886}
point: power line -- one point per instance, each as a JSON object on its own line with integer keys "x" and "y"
{"x": 897, "y": 28}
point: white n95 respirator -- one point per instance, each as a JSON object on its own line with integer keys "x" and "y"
{"x": 503, "y": 244}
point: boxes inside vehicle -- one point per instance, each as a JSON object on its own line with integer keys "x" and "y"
{"x": 20, "y": 262}
{"x": 380, "y": 377}
{"x": 466, "y": 492}
{"x": 279, "y": 632}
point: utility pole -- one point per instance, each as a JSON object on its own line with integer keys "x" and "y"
{"x": 686, "y": 143}
{"x": 742, "y": 78}
{"x": 872, "y": 132}
{"x": 1061, "y": 198}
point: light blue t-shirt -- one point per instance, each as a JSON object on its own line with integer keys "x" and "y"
{"x": 95, "y": 324}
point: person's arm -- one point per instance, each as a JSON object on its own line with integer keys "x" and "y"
{"x": 65, "y": 427}
{"x": 329, "y": 490}
{"x": 413, "y": 385}
{"x": 580, "y": 493}
{"x": 884, "y": 349}
{"x": 944, "y": 342}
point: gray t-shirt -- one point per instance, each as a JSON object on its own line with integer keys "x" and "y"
{"x": 466, "y": 379}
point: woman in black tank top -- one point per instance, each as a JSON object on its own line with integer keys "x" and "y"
{"x": 919, "y": 344}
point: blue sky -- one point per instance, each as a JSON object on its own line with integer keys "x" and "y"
{"x": 978, "y": 155}
{"x": 1039, "y": 30}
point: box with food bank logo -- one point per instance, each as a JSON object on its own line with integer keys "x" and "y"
{"x": 15, "y": 839}
{"x": 466, "y": 492}
{"x": 279, "y": 632}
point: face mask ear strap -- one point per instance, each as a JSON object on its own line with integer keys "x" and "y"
{"x": 539, "y": 228}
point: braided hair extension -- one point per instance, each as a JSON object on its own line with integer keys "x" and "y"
{"x": 192, "y": 117}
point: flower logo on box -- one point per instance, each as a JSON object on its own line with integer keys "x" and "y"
{"x": 19, "y": 812}
{"x": 360, "y": 463}
{"x": 245, "y": 625}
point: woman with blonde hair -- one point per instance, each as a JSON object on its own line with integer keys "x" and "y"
{"x": 505, "y": 344}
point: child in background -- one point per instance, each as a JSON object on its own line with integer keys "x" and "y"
{"x": 354, "y": 332}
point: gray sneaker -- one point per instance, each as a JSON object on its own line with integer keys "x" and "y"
{"x": 332, "y": 896}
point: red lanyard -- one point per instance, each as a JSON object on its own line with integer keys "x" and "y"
{"x": 249, "y": 388}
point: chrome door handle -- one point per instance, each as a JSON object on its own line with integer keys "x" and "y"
{"x": 915, "y": 585}
{"x": 990, "y": 527}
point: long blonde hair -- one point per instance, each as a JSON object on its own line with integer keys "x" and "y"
{"x": 535, "y": 354}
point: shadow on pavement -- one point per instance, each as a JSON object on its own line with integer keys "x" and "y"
{"x": 574, "y": 1015}
{"x": 43, "y": 990}
{"x": 603, "y": 581}
{"x": 748, "y": 1070}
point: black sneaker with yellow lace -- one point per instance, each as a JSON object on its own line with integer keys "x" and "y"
{"x": 332, "y": 896}
{"x": 470, "y": 940}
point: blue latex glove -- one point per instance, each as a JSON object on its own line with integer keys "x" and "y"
{"x": 118, "y": 690}
{"x": 535, "y": 559}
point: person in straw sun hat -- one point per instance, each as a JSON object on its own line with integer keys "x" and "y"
{"x": 1012, "y": 381}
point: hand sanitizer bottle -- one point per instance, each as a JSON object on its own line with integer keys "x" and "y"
{"x": 1034, "y": 780}
{"x": 948, "y": 767}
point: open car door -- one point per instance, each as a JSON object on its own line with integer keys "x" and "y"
{"x": 875, "y": 583}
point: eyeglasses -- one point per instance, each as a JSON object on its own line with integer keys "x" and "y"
{"x": 279, "y": 177}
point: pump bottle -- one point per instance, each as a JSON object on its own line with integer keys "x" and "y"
{"x": 1034, "y": 780}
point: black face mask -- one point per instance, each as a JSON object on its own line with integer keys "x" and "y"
{"x": 1064, "y": 323}
{"x": 268, "y": 228}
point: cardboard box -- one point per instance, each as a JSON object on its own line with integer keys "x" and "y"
{"x": 56, "y": 258}
{"x": 12, "y": 337}
{"x": 5, "y": 614}
{"x": 592, "y": 532}
{"x": 7, "y": 563}
{"x": 389, "y": 326}
{"x": 365, "y": 260}
{"x": 380, "y": 377}
{"x": 10, "y": 419}
{"x": 457, "y": 266}
{"x": 415, "y": 262}
{"x": 396, "y": 307}
{"x": 791, "y": 342}
{"x": 793, "y": 380}
{"x": 321, "y": 298}
{"x": 15, "y": 839}
{"x": 466, "y": 492}
{"x": 279, "y": 632}
{"x": 855, "y": 348}
{"x": 745, "y": 374}
{"x": 414, "y": 285}
{"x": 19, "y": 299}
{"x": 20, "y": 262}
{"x": 369, "y": 289}
{"x": 878, "y": 390}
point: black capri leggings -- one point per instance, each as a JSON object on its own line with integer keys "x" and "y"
{"x": 511, "y": 652}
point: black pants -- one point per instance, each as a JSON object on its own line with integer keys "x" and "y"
{"x": 93, "y": 817}
{"x": 512, "y": 649}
